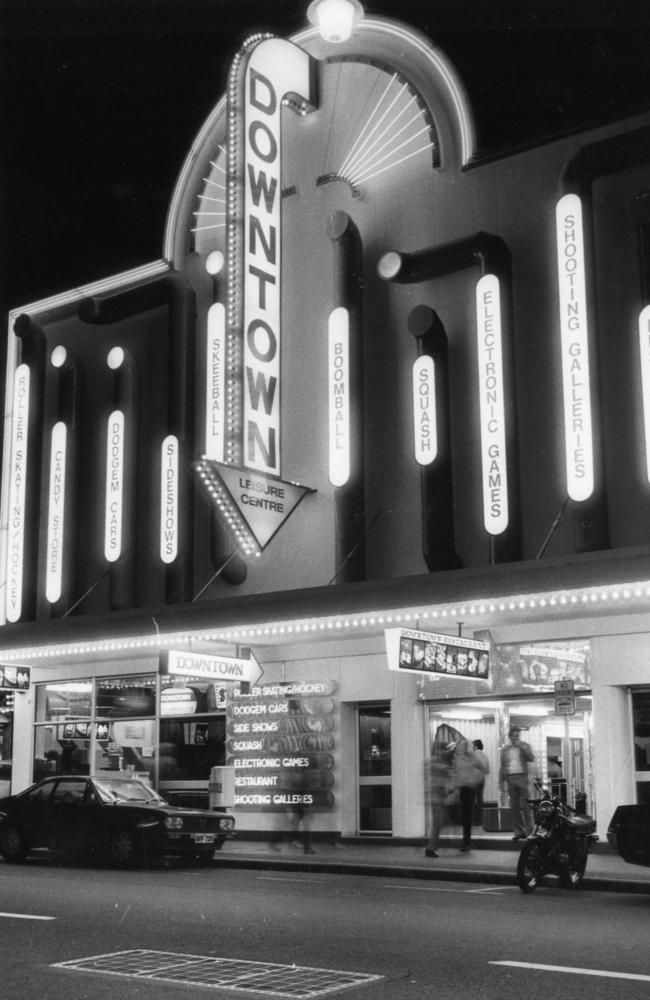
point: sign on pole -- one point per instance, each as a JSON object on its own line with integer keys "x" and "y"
{"x": 565, "y": 698}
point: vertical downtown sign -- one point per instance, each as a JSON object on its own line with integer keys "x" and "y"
{"x": 242, "y": 466}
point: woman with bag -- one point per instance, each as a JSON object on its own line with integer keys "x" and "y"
{"x": 469, "y": 772}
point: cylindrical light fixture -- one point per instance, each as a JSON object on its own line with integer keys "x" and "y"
{"x": 335, "y": 19}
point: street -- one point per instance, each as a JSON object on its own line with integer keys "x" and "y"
{"x": 439, "y": 939}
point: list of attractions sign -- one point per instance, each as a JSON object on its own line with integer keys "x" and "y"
{"x": 281, "y": 740}
{"x": 431, "y": 653}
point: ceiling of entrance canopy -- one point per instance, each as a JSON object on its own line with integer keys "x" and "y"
{"x": 371, "y": 130}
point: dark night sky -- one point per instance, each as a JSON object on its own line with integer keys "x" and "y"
{"x": 101, "y": 99}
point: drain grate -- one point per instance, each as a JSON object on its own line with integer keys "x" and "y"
{"x": 295, "y": 981}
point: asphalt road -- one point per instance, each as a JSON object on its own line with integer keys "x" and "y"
{"x": 425, "y": 940}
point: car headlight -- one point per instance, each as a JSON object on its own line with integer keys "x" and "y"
{"x": 174, "y": 822}
{"x": 227, "y": 823}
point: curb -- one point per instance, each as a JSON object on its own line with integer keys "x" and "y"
{"x": 597, "y": 883}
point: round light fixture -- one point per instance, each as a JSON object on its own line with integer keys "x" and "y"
{"x": 335, "y": 19}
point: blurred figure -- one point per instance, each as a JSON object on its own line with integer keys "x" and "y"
{"x": 441, "y": 789}
{"x": 469, "y": 775}
{"x": 483, "y": 757}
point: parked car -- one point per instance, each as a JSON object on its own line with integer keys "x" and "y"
{"x": 117, "y": 818}
{"x": 629, "y": 833}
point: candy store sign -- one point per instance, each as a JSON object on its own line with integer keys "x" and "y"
{"x": 281, "y": 741}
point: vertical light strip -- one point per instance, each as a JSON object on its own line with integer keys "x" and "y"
{"x": 215, "y": 416}
{"x": 425, "y": 424}
{"x": 56, "y": 513}
{"x": 114, "y": 486}
{"x": 492, "y": 409}
{"x": 644, "y": 349}
{"x": 17, "y": 493}
{"x": 338, "y": 365}
{"x": 169, "y": 494}
{"x": 575, "y": 348}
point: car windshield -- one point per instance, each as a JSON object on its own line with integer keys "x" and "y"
{"x": 126, "y": 790}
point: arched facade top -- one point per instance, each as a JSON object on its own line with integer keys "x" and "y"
{"x": 384, "y": 42}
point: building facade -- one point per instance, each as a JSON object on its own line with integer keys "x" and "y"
{"x": 381, "y": 399}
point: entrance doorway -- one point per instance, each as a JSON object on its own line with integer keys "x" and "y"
{"x": 375, "y": 769}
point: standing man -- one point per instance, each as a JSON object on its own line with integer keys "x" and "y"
{"x": 513, "y": 775}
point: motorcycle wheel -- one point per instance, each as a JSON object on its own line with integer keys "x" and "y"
{"x": 529, "y": 868}
{"x": 571, "y": 878}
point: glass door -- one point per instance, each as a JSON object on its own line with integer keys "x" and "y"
{"x": 375, "y": 782}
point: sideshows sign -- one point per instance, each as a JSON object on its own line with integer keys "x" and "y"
{"x": 418, "y": 652}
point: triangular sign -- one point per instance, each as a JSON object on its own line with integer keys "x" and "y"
{"x": 263, "y": 502}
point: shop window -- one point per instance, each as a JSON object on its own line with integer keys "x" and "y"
{"x": 126, "y": 697}
{"x": 60, "y": 702}
{"x": 561, "y": 744}
{"x": 188, "y": 750}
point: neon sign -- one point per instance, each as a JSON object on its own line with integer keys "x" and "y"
{"x": 274, "y": 69}
{"x": 491, "y": 389}
{"x": 17, "y": 493}
{"x": 644, "y": 348}
{"x": 56, "y": 513}
{"x": 339, "y": 397}
{"x": 114, "y": 486}
{"x": 169, "y": 492}
{"x": 575, "y": 348}
{"x": 425, "y": 427}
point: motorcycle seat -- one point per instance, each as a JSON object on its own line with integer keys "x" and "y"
{"x": 581, "y": 824}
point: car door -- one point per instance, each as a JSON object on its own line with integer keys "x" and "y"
{"x": 69, "y": 817}
{"x": 32, "y": 813}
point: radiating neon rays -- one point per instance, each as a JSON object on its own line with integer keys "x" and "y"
{"x": 204, "y": 216}
{"x": 395, "y": 131}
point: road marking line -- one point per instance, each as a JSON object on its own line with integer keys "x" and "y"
{"x": 285, "y": 878}
{"x": 576, "y": 972}
{"x": 426, "y": 888}
{"x": 25, "y": 916}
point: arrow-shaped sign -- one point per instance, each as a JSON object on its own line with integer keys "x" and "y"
{"x": 255, "y": 505}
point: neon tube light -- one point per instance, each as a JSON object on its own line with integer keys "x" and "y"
{"x": 56, "y": 513}
{"x": 169, "y": 499}
{"x": 491, "y": 401}
{"x": 425, "y": 424}
{"x": 575, "y": 348}
{"x": 644, "y": 349}
{"x": 338, "y": 365}
{"x": 17, "y": 494}
{"x": 114, "y": 486}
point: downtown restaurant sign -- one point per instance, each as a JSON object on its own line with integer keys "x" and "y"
{"x": 416, "y": 652}
{"x": 281, "y": 742}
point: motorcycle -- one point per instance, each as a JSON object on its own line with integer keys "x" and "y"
{"x": 559, "y": 844}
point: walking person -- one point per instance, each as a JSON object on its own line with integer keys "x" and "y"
{"x": 513, "y": 776}
{"x": 469, "y": 773}
{"x": 485, "y": 765}
{"x": 441, "y": 789}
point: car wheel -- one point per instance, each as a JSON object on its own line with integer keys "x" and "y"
{"x": 123, "y": 848}
{"x": 13, "y": 844}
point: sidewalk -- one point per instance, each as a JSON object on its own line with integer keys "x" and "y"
{"x": 493, "y": 860}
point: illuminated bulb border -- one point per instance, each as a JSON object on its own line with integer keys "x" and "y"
{"x": 414, "y": 617}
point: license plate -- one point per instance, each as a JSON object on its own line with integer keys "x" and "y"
{"x": 204, "y": 838}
